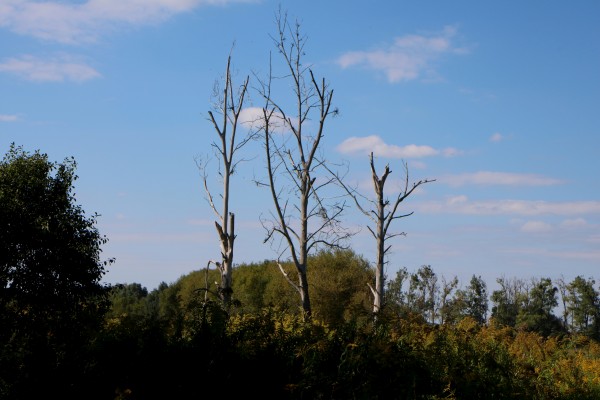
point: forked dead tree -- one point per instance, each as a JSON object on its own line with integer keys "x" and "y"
{"x": 303, "y": 218}
{"x": 229, "y": 105}
{"x": 382, "y": 212}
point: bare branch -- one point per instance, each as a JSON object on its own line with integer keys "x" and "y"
{"x": 229, "y": 106}
{"x": 373, "y": 291}
{"x": 383, "y": 215}
{"x": 309, "y": 220}
{"x": 287, "y": 277}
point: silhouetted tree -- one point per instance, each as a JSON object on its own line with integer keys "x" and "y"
{"x": 507, "y": 301}
{"x": 584, "y": 306}
{"x": 536, "y": 313}
{"x": 50, "y": 270}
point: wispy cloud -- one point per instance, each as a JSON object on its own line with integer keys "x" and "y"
{"x": 8, "y": 118}
{"x": 592, "y": 255}
{"x": 57, "y": 69}
{"x": 373, "y": 143}
{"x": 498, "y": 178}
{"x": 462, "y": 205}
{"x": 497, "y": 137}
{"x": 574, "y": 223}
{"x": 85, "y": 21}
{"x": 408, "y": 58}
{"x": 536, "y": 227}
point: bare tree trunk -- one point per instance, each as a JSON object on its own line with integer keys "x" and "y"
{"x": 380, "y": 233}
{"x": 226, "y": 148}
{"x": 382, "y": 215}
{"x": 293, "y": 161}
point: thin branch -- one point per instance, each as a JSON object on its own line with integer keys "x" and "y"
{"x": 287, "y": 278}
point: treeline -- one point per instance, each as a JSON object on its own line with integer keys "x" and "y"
{"x": 341, "y": 295}
{"x": 429, "y": 342}
{"x": 535, "y": 305}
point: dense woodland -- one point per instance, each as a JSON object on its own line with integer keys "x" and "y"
{"x": 317, "y": 322}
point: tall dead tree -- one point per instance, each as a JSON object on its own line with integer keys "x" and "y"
{"x": 228, "y": 106}
{"x": 303, "y": 218}
{"x": 382, "y": 212}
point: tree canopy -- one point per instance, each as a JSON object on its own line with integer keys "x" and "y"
{"x": 50, "y": 266}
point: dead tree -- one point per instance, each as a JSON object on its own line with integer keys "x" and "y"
{"x": 303, "y": 218}
{"x": 382, "y": 212}
{"x": 229, "y": 105}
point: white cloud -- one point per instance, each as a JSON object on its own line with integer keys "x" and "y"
{"x": 8, "y": 118}
{"x": 253, "y": 118}
{"x": 408, "y": 58}
{"x": 498, "y": 178}
{"x": 58, "y": 69}
{"x": 85, "y": 21}
{"x": 496, "y": 137}
{"x": 462, "y": 205}
{"x": 536, "y": 227}
{"x": 457, "y": 200}
{"x": 373, "y": 143}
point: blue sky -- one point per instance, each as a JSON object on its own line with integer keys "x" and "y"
{"x": 497, "y": 101}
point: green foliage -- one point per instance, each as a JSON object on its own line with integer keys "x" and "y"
{"x": 50, "y": 269}
{"x": 423, "y": 292}
{"x": 536, "y": 313}
{"x": 507, "y": 301}
{"x": 339, "y": 287}
{"x": 583, "y": 304}
{"x": 338, "y": 290}
{"x": 476, "y": 300}
{"x": 258, "y": 286}
{"x": 129, "y": 300}
{"x": 395, "y": 301}
{"x": 275, "y": 354}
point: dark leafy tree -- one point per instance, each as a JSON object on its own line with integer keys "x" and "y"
{"x": 536, "y": 313}
{"x": 476, "y": 299}
{"x": 50, "y": 270}
{"x": 395, "y": 296}
{"x": 507, "y": 301}
{"x": 562, "y": 287}
{"x": 446, "y": 303}
{"x": 584, "y": 306}
{"x": 423, "y": 293}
